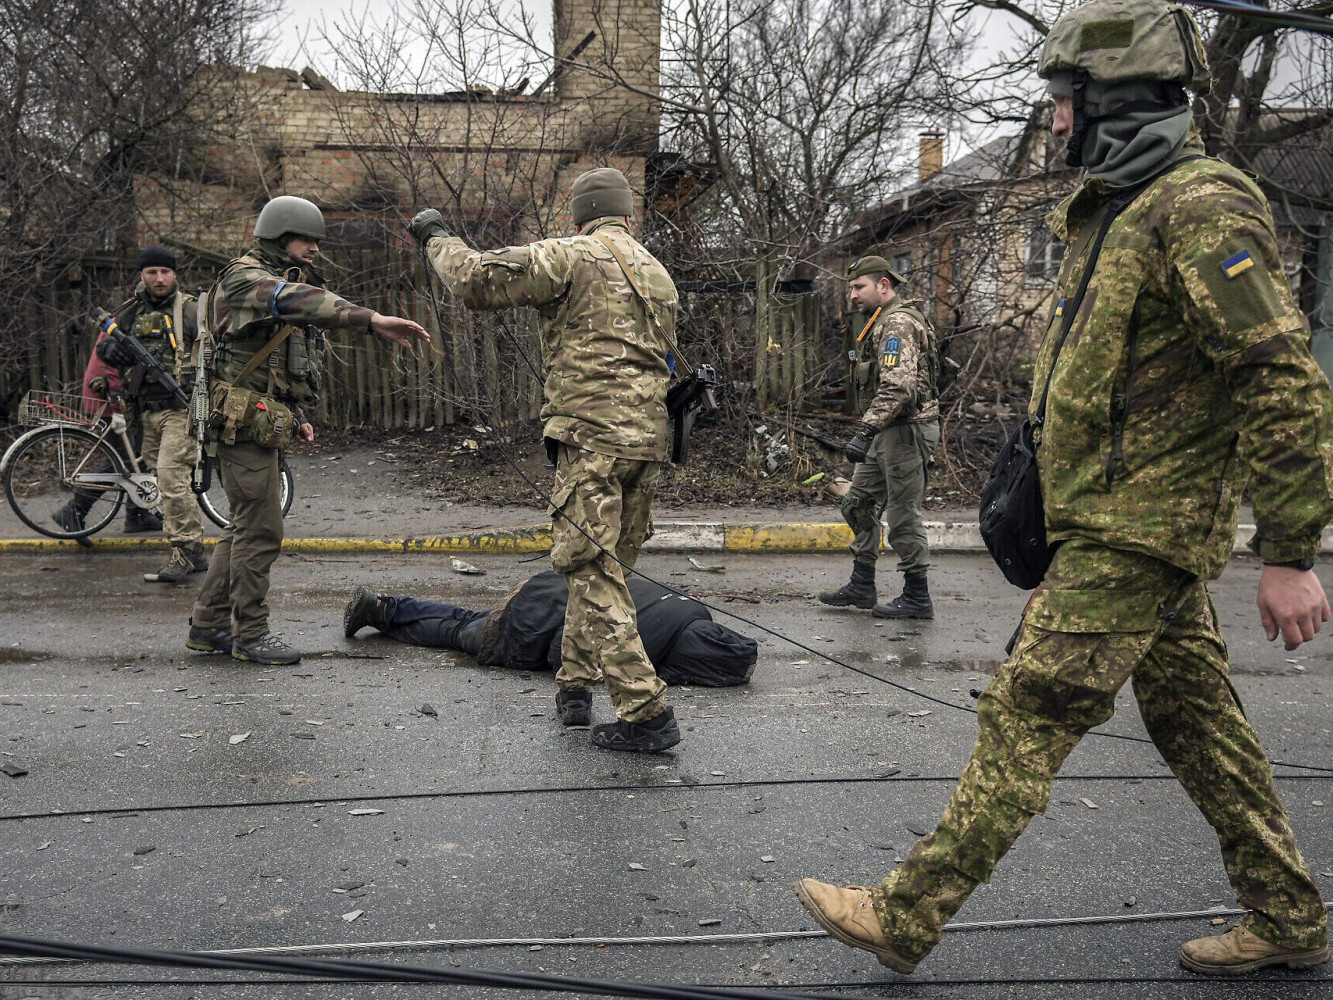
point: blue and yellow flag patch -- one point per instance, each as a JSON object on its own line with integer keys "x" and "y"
{"x": 1059, "y": 308}
{"x": 1237, "y": 263}
{"x": 892, "y": 348}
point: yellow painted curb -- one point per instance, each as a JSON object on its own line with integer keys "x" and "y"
{"x": 785, "y": 537}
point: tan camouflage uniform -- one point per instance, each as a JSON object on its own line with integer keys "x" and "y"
{"x": 167, "y": 448}
{"x": 606, "y": 381}
{"x": 906, "y": 413}
{"x": 1223, "y": 390}
{"x": 254, "y": 297}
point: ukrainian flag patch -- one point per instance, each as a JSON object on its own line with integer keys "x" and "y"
{"x": 1059, "y": 308}
{"x": 1237, "y": 263}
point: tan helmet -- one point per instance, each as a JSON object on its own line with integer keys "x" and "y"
{"x": 1114, "y": 41}
{"x": 289, "y": 214}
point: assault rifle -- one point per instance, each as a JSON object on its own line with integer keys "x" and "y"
{"x": 130, "y": 346}
{"x": 685, "y": 400}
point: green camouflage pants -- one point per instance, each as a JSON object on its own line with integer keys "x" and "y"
{"x": 236, "y": 586}
{"x": 1100, "y": 618}
{"x": 169, "y": 451}
{"x": 892, "y": 479}
{"x": 611, "y": 499}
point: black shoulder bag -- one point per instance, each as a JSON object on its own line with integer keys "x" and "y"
{"x": 1012, "y": 517}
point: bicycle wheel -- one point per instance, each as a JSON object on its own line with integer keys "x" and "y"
{"x": 50, "y": 472}
{"x": 218, "y": 509}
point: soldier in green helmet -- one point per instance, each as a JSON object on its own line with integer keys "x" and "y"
{"x": 607, "y": 310}
{"x": 1181, "y": 374}
{"x": 899, "y": 431}
{"x": 263, "y": 347}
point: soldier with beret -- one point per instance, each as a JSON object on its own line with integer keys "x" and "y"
{"x": 1180, "y": 374}
{"x": 607, "y": 311}
{"x": 899, "y": 432}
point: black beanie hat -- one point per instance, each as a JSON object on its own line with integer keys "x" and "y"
{"x": 157, "y": 256}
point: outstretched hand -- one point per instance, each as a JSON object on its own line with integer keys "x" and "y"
{"x": 397, "y": 330}
{"x": 1292, "y": 603}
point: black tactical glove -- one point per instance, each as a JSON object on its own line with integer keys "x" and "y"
{"x": 110, "y": 351}
{"x": 858, "y": 447}
{"x": 426, "y": 225}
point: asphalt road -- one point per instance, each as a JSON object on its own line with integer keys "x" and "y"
{"x": 175, "y": 800}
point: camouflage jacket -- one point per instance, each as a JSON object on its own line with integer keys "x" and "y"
{"x": 605, "y": 361}
{"x": 255, "y": 297}
{"x": 154, "y": 325}
{"x": 908, "y": 369}
{"x": 1150, "y": 452}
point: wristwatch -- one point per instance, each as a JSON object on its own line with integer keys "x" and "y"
{"x": 1301, "y": 564}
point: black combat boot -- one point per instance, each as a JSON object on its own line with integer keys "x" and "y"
{"x": 657, "y": 734}
{"x": 140, "y": 521}
{"x": 574, "y": 706}
{"x": 913, "y": 602}
{"x": 367, "y": 608}
{"x": 70, "y": 518}
{"x": 858, "y": 592}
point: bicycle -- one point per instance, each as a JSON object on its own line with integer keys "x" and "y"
{"x": 71, "y": 452}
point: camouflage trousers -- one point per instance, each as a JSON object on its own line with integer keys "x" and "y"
{"x": 611, "y": 500}
{"x": 169, "y": 451}
{"x": 892, "y": 479}
{"x": 236, "y": 586}
{"x": 1103, "y": 617}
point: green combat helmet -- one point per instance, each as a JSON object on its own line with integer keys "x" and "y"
{"x": 1119, "y": 42}
{"x": 289, "y": 214}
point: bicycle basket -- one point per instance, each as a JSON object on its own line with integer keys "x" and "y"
{"x": 42, "y": 407}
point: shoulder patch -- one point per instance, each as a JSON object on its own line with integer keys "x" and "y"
{"x": 892, "y": 349}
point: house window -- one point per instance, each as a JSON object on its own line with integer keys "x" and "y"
{"x": 1044, "y": 253}
{"x": 902, "y": 263}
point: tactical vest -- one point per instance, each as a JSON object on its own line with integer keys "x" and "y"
{"x": 294, "y": 371}
{"x": 154, "y": 329}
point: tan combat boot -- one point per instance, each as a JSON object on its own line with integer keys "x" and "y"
{"x": 1238, "y": 951}
{"x": 848, "y": 915}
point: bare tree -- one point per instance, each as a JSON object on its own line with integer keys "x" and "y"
{"x": 94, "y": 95}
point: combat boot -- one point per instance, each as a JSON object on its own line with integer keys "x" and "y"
{"x": 574, "y": 706}
{"x": 70, "y": 518}
{"x": 140, "y": 521}
{"x": 267, "y": 649}
{"x": 657, "y": 734}
{"x": 1238, "y": 951}
{"x": 848, "y": 916}
{"x": 209, "y": 640}
{"x": 913, "y": 602}
{"x": 179, "y": 566}
{"x": 858, "y": 592}
{"x": 367, "y": 608}
{"x": 198, "y": 559}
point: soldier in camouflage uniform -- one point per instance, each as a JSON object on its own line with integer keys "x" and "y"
{"x": 605, "y": 417}
{"x": 899, "y": 432}
{"x": 1185, "y": 373}
{"x": 266, "y": 312}
{"x": 163, "y": 319}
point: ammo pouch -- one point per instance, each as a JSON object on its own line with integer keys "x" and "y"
{"x": 269, "y": 423}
